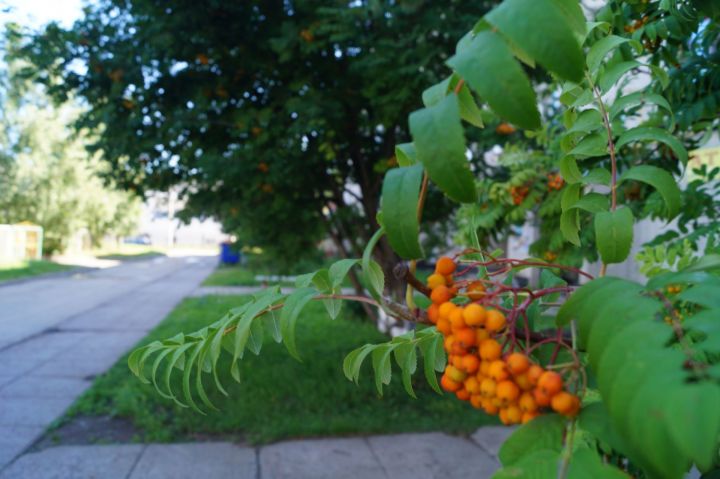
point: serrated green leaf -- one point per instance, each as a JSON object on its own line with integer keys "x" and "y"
{"x": 294, "y": 304}
{"x": 695, "y": 423}
{"x": 597, "y": 176}
{"x": 538, "y": 464}
{"x": 612, "y": 73}
{"x": 614, "y": 234}
{"x": 406, "y": 154}
{"x": 569, "y": 170}
{"x": 595, "y": 419}
{"x": 585, "y": 463}
{"x": 429, "y": 348}
{"x": 469, "y": 110}
{"x": 569, "y": 218}
{"x": 601, "y": 48}
{"x": 374, "y": 276}
{"x": 649, "y": 133}
{"x": 382, "y": 366}
{"x": 400, "y": 194}
{"x": 406, "y": 357}
{"x": 592, "y": 202}
{"x": 187, "y": 394}
{"x": 436, "y": 93}
{"x": 440, "y": 143}
{"x": 256, "y": 337}
{"x": 659, "y": 179}
{"x": 573, "y": 306}
{"x": 338, "y": 270}
{"x": 543, "y": 32}
{"x": 587, "y": 121}
{"x": 488, "y": 65}
{"x": 595, "y": 144}
{"x": 574, "y": 16}
{"x": 542, "y": 433}
{"x": 637, "y": 98}
{"x": 172, "y": 362}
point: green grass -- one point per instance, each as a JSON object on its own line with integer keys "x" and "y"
{"x": 226, "y": 275}
{"x": 279, "y": 396}
{"x": 25, "y": 269}
{"x": 132, "y": 255}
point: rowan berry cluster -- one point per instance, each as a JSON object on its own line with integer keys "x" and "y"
{"x": 519, "y": 193}
{"x": 479, "y": 370}
{"x": 555, "y": 182}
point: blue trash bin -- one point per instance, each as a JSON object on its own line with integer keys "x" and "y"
{"x": 228, "y": 254}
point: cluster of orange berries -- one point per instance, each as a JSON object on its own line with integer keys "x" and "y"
{"x": 519, "y": 193}
{"x": 509, "y": 385}
{"x": 555, "y": 181}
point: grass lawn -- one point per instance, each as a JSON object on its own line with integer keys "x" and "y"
{"x": 129, "y": 251}
{"x": 231, "y": 275}
{"x": 26, "y": 269}
{"x": 279, "y": 396}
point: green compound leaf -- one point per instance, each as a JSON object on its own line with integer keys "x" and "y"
{"x": 635, "y": 99}
{"x": 540, "y": 28}
{"x": 440, "y": 143}
{"x": 614, "y": 234}
{"x": 400, "y": 194}
{"x": 600, "y": 49}
{"x": 294, "y": 304}
{"x": 650, "y": 133}
{"x": 488, "y": 65}
{"x": 659, "y": 179}
{"x": 406, "y": 154}
{"x": 542, "y": 433}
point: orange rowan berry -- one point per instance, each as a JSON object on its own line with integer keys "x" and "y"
{"x": 517, "y": 363}
{"x": 433, "y": 313}
{"x": 443, "y": 325}
{"x": 484, "y": 368}
{"x": 471, "y": 363}
{"x": 475, "y": 290}
{"x": 527, "y": 402}
{"x": 494, "y": 321}
{"x": 450, "y": 282}
{"x": 445, "y": 309}
{"x": 488, "y": 388}
{"x": 502, "y": 414}
{"x": 448, "y": 384}
{"x": 489, "y": 407}
{"x": 456, "y": 318}
{"x": 441, "y": 294}
{"x": 435, "y": 280}
{"x": 523, "y": 382}
{"x": 455, "y": 374}
{"x": 466, "y": 337}
{"x": 472, "y": 385}
{"x": 542, "y": 398}
{"x": 445, "y": 265}
{"x": 550, "y": 382}
{"x": 476, "y": 401}
{"x": 448, "y": 342}
{"x": 481, "y": 334}
{"x": 507, "y": 391}
{"x": 462, "y": 394}
{"x": 529, "y": 416}
{"x": 490, "y": 350}
{"x": 565, "y": 403}
{"x": 498, "y": 370}
{"x": 514, "y": 414}
{"x": 534, "y": 373}
{"x": 474, "y": 315}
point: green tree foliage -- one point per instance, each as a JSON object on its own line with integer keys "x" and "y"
{"x": 642, "y": 357}
{"x": 49, "y": 178}
{"x": 279, "y": 118}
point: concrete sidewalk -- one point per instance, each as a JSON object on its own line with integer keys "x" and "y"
{"x": 58, "y": 333}
{"x": 411, "y": 456}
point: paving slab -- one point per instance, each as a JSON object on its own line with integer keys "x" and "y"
{"x": 490, "y": 438}
{"x": 76, "y": 462}
{"x": 40, "y": 387}
{"x": 320, "y": 459}
{"x": 207, "y": 460}
{"x": 19, "y": 411}
{"x": 431, "y": 456}
{"x": 60, "y": 332}
{"x": 14, "y": 439}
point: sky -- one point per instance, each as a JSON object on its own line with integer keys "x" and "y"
{"x": 35, "y": 13}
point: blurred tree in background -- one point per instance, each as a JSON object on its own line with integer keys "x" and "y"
{"x": 49, "y": 178}
{"x": 287, "y": 110}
